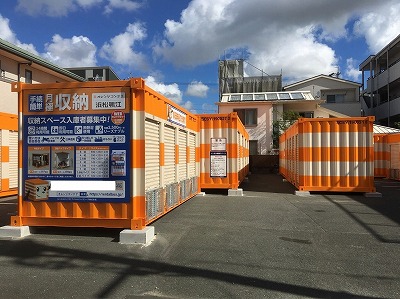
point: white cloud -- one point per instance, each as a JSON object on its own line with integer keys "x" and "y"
{"x": 352, "y": 71}
{"x": 53, "y": 8}
{"x": 7, "y": 34}
{"x": 170, "y": 91}
{"x": 127, "y": 5}
{"x": 71, "y": 52}
{"x": 294, "y": 36}
{"x": 59, "y": 8}
{"x": 120, "y": 48}
{"x": 197, "y": 89}
{"x": 188, "y": 105}
{"x": 193, "y": 40}
{"x": 46, "y": 7}
{"x": 88, "y": 3}
{"x": 306, "y": 57}
{"x": 379, "y": 26}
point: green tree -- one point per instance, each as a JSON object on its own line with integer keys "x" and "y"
{"x": 286, "y": 119}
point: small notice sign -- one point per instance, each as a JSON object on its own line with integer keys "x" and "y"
{"x": 218, "y": 164}
{"x": 218, "y": 144}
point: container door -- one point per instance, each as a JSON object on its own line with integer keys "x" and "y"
{"x": 1, "y": 174}
{"x": 182, "y": 155}
{"x": 192, "y": 154}
{"x": 152, "y": 154}
{"x": 13, "y": 159}
{"x": 169, "y": 151}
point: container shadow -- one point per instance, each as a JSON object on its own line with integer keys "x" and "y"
{"x": 267, "y": 182}
{"x": 34, "y": 255}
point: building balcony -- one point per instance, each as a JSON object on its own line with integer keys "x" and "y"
{"x": 383, "y": 110}
{"x": 382, "y": 79}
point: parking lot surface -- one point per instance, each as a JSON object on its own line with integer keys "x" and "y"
{"x": 269, "y": 243}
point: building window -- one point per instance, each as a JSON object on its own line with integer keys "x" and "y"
{"x": 28, "y": 76}
{"x": 247, "y": 116}
{"x": 253, "y": 147}
{"x": 335, "y": 98}
{"x": 307, "y": 114}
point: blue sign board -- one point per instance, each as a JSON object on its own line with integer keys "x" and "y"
{"x": 79, "y": 141}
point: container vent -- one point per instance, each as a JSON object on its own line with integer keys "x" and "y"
{"x": 172, "y": 194}
{"x": 154, "y": 203}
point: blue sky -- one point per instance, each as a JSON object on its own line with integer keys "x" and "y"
{"x": 175, "y": 45}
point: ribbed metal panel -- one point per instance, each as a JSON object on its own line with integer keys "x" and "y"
{"x": 182, "y": 155}
{"x": 154, "y": 203}
{"x": 13, "y": 166}
{"x": 381, "y": 155}
{"x": 185, "y": 189}
{"x": 169, "y": 151}
{"x": 62, "y": 210}
{"x": 172, "y": 195}
{"x": 194, "y": 184}
{"x": 152, "y": 154}
{"x": 192, "y": 155}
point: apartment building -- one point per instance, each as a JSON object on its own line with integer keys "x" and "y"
{"x": 380, "y": 95}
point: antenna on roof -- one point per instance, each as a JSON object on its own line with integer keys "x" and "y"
{"x": 337, "y": 74}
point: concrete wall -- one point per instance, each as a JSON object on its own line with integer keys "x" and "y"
{"x": 350, "y": 109}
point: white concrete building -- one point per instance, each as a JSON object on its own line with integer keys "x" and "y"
{"x": 337, "y": 94}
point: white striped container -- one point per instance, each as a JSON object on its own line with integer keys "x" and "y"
{"x": 329, "y": 154}
{"x": 224, "y": 151}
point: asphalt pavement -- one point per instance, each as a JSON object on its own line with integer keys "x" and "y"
{"x": 269, "y": 243}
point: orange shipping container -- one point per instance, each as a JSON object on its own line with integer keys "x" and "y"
{"x": 393, "y": 143}
{"x": 329, "y": 154}
{"x": 224, "y": 151}
{"x": 129, "y": 153}
{"x": 8, "y": 154}
{"x": 381, "y": 156}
